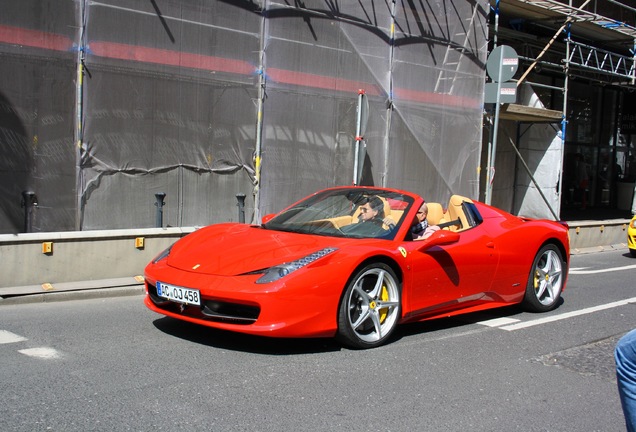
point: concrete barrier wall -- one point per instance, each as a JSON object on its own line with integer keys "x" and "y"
{"x": 598, "y": 234}
{"x": 80, "y": 256}
{"x": 107, "y": 255}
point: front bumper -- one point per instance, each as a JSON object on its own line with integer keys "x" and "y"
{"x": 300, "y": 307}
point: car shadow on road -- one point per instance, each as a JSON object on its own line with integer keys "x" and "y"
{"x": 462, "y": 320}
{"x": 222, "y": 339}
{"x": 215, "y": 338}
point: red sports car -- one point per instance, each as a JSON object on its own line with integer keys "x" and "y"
{"x": 343, "y": 262}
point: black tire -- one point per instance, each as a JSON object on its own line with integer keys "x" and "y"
{"x": 546, "y": 279}
{"x": 370, "y": 307}
{"x": 633, "y": 252}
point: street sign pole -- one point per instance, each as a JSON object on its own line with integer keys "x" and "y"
{"x": 360, "y": 146}
{"x": 501, "y": 66}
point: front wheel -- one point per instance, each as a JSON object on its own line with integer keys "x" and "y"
{"x": 370, "y": 307}
{"x": 546, "y": 279}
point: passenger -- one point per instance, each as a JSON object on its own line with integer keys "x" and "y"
{"x": 421, "y": 229}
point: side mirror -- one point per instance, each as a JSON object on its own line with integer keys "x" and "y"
{"x": 267, "y": 218}
{"x": 439, "y": 238}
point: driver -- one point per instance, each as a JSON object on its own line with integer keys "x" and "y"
{"x": 372, "y": 210}
{"x": 370, "y": 219}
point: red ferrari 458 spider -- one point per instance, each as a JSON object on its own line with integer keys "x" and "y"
{"x": 343, "y": 262}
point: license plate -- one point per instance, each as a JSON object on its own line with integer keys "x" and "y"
{"x": 179, "y": 294}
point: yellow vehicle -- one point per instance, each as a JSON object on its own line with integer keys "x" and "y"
{"x": 631, "y": 236}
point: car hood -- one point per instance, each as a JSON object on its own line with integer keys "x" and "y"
{"x": 233, "y": 249}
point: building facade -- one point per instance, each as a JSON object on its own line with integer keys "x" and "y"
{"x": 576, "y": 59}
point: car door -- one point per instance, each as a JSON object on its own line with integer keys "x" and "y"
{"x": 450, "y": 274}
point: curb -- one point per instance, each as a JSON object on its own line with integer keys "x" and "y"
{"x": 51, "y": 297}
{"x": 595, "y": 249}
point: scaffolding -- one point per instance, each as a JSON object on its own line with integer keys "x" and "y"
{"x": 580, "y": 14}
{"x": 619, "y": 34}
{"x": 591, "y": 39}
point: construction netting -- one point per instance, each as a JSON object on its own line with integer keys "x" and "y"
{"x": 104, "y": 104}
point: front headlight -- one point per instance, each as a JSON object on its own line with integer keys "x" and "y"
{"x": 276, "y": 272}
{"x": 162, "y": 255}
{"x": 632, "y": 224}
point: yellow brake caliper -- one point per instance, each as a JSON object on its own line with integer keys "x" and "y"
{"x": 384, "y": 296}
{"x": 537, "y": 279}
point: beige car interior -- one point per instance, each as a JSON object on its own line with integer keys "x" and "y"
{"x": 340, "y": 221}
{"x": 437, "y": 215}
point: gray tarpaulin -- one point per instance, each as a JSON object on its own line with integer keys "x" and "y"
{"x": 37, "y": 112}
{"x": 203, "y": 100}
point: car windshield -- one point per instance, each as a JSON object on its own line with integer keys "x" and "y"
{"x": 354, "y": 213}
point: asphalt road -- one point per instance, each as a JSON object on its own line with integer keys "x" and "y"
{"x": 111, "y": 365}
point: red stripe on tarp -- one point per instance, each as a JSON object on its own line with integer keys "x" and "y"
{"x": 51, "y": 41}
{"x": 220, "y": 64}
{"x": 34, "y": 38}
{"x": 320, "y": 81}
{"x": 170, "y": 58}
{"x": 436, "y": 98}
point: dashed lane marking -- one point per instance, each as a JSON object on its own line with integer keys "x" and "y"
{"x": 8, "y": 337}
{"x": 583, "y": 270}
{"x": 498, "y": 322}
{"x": 539, "y": 321}
{"x": 42, "y": 352}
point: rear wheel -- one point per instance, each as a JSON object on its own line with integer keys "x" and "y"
{"x": 370, "y": 307}
{"x": 545, "y": 282}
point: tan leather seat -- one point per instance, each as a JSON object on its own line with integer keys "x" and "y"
{"x": 435, "y": 213}
{"x": 456, "y": 211}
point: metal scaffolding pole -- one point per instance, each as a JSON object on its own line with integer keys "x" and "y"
{"x": 564, "y": 121}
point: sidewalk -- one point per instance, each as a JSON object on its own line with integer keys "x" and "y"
{"x": 104, "y": 288}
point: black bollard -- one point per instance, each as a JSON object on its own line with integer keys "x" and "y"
{"x": 241, "y": 207}
{"x": 29, "y": 202}
{"x": 159, "y": 204}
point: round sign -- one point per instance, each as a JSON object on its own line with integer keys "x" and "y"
{"x": 502, "y": 63}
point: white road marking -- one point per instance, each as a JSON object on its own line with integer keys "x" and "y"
{"x": 583, "y": 270}
{"x": 567, "y": 315}
{"x": 498, "y": 322}
{"x": 43, "y": 352}
{"x": 8, "y": 337}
